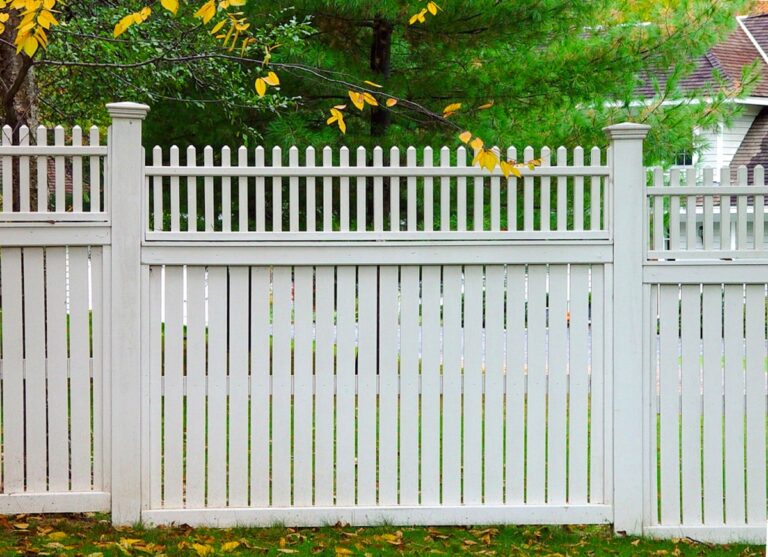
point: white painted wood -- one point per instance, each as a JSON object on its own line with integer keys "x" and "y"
{"x": 327, "y": 192}
{"x": 445, "y": 191}
{"x": 733, "y": 388}
{"x": 157, "y": 192}
{"x": 344, "y": 190}
{"x": 154, "y": 360}
{"x": 303, "y": 372}
{"x": 173, "y": 377}
{"x": 175, "y": 193}
{"x": 690, "y": 389}
{"x": 674, "y": 211}
{"x": 515, "y": 385}
{"x": 690, "y": 211}
{"x": 528, "y": 208}
{"x": 191, "y": 192}
{"x": 216, "y": 471}
{"x": 99, "y": 360}
{"x": 239, "y": 287}
{"x": 624, "y": 198}
{"x": 578, "y": 191}
{"x": 759, "y": 205}
{"x": 261, "y": 295}
{"x": 367, "y": 326}
{"x": 597, "y": 387}
{"x": 409, "y": 385}
{"x": 277, "y": 192}
{"x": 282, "y": 284}
{"x": 373, "y": 516}
{"x": 431, "y": 333}
{"x": 669, "y": 410}
{"x": 557, "y": 403}
{"x": 658, "y": 212}
{"x": 712, "y": 386}
{"x": 595, "y": 209}
{"x": 478, "y": 203}
{"x": 452, "y": 385}
{"x": 226, "y": 191}
{"x": 260, "y": 193}
{"x": 512, "y": 193}
{"x": 562, "y": 190}
{"x": 94, "y": 190}
{"x": 346, "y": 294}
{"x": 546, "y": 190}
{"x": 473, "y": 385}
{"x": 361, "y": 213}
{"x": 578, "y": 391}
{"x": 394, "y": 192}
{"x": 243, "y": 198}
{"x": 411, "y": 193}
{"x": 536, "y": 401}
{"x": 24, "y": 181}
{"x": 461, "y": 190}
{"x": 325, "y": 339}
{"x": 41, "y": 138}
{"x": 429, "y": 195}
{"x": 725, "y": 209}
{"x": 311, "y": 192}
{"x": 56, "y": 368}
{"x": 708, "y": 231}
{"x": 195, "y": 389}
{"x": 755, "y": 408}
{"x": 493, "y": 399}
{"x": 741, "y": 211}
{"x": 378, "y": 191}
{"x": 7, "y": 141}
{"x": 388, "y": 359}
{"x": 293, "y": 191}
{"x": 13, "y": 370}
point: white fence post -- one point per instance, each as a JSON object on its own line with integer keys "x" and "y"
{"x": 627, "y": 184}
{"x": 126, "y": 171}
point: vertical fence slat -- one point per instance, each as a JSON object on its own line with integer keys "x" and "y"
{"x": 690, "y": 319}
{"x": 7, "y": 172}
{"x": 24, "y": 178}
{"x": 324, "y": 381}
{"x": 669, "y": 409}
{"x": 755, "y": 402}
{"x": 478, "y": 204}
{"x": 690, "y": 211}
{"x": 195, "y": 399}
{"x": 578, "y": 389}
{"x": 733, "y": 384}
{"x": 277, "y": 192}
{"x": 173, "y": 381}
{"x": 217, "y": 387}
{"x": 261, "y": 294}
{"x": 226, "y": 191}
{"x": 157, "y": 192}
{"x": 327, "y": 192}
{"x": 57, "y": 368}
{"x": 595, "y": 211}
{"x": 77, "y": 172}
{"x": 94, "y": 188}
{"x": 59, "y": 168}
{"x": 674, "y": 212}
{"x": 741, "y": 216}
{"x": 409, "y": 385}
{"x": 495, "y": 200}
{"x": 361, "y": 193}
{"x": 713, "y": 404}
{"x": 344, "y": 191}
{"x": 537, "y": 384}
{"x": 708, "y": 217}
{"x": 558, "y": 385}
{"x": 242, "y": 192}
{"x": 658, "y": 211}
{"x": 155, "y": 386}
{"x": 191, "y": 191}
{"x": 311, "y": 192}
{"x": 597, "y": 448}
{"x": 302, "y": 386}
{"x": 42, "y": 170}
{"x": 759, "y": 210}
{"x": 366, "y": 385}
{"x": 238, "y": 387}
{"x": 493, "y": 408}
{"x": 445, "y": 191}
{"x": 562, "y": 191}
{"x": 461, "y": 191}
{"x": 429, "y": 193}
{"x": 512, "y": 193}
{"x": 378, "y": 191}
{"x": 725, "y": 209}
{"x": 34, "y": 369}
{"x": 578, "y": 191}
{"x": 346, "y": 290}
{"x": 451, "y": 430}
{"x": 281, "y": 385}
{"x": 515, "y": 387}
{"x": 175, "y": 193}
{"x": 293, "y": 195}
{"x": 430, "y": 384}
{"x": 388, "y": 355}
{"x": 412, "y": 193}
{"x": 394, "y": 192}
{"x": 208, "y": 200}
{"x": 473, "y": 384}
{"x": 546, "y": 189}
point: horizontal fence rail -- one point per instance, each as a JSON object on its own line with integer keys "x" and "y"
{"x": 692, "y": 218}
{"x": 43, "y": 179}
{"x": 373, "y": 197}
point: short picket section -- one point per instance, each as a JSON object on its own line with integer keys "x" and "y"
{"x": 376, "y": 393}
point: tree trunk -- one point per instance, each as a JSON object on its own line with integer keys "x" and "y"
{"x": 381, "y": 58}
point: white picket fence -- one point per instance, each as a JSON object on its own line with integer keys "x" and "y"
{"x": 412, "y": 341}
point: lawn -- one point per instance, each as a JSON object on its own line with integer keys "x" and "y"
{"x": 92, "y": 535}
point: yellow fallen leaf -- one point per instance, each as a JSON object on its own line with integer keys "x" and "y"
{"x": 229, "y": 546}
{"x": 57, "y": 536}
{"x": 202, "y": 550}
{"x": 343, "y": 551}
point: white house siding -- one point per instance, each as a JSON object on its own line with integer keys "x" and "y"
{"x": 722, "y": 145}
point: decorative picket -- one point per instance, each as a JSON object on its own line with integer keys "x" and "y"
{"x": 305, "y": 338}
{"x": 371, "y": 198}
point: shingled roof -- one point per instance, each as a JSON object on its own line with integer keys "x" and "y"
{"x": 754, "y": 148}
{"x": 727, "y": 58}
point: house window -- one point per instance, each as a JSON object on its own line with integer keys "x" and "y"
{"x": 684, "y": 158}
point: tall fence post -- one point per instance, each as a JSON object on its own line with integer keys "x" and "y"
{"x": 126, "y": 169}
{"x": 627, "y": 185}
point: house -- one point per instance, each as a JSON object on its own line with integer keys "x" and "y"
{"x": 745, "y": 140}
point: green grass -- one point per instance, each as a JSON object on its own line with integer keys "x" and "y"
{"x": 93, "y": 536}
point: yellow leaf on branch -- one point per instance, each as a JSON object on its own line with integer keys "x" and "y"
{"x": 465, "y": 137}
{"x": 170, "y": 5}
{"x": 433, "y": 7}
{"x": 337, "y": 116}
{"x": 372, "y": 84}
{"x": 477, "y": 144}
{"x": 370, "y": 99}
{"x": 261, "y": 86}
{"x": 272, "y": 79}
{"x": 357, "y": 99}
{"x": 206, "y": 11}
{"x": 391, "y": 102}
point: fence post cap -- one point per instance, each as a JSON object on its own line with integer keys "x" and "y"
{"x": 127, "y": 110}
{"x": 627, "y": 130}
